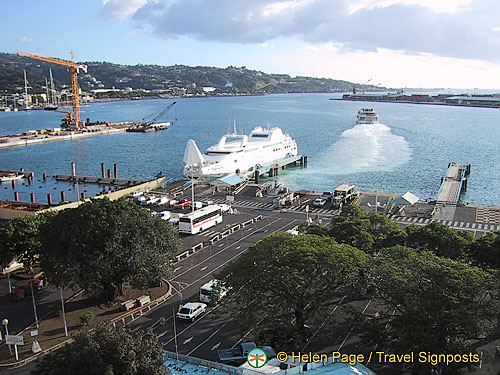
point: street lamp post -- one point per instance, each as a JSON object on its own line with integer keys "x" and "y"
{"x": 5, "y": 323}
{"x": 10, "y": 284}
{"x": 64, "y": 314}
{"x": 34, "y": 303}
{"x": 192, "y": 188}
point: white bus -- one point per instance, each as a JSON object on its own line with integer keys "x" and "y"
{"x": 199, "y": 220}
{"x": 210, "y": 293}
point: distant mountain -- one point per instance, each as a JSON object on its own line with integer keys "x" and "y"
{"x": 174, "y": 80}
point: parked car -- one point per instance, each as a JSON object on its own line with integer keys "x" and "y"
{"x": 224, "y": 208}
{"x": 183, "y": 203}
{"x": 164, "y": 215}
{"x": 140, "y": 199}
{"x": 197, "y": 205}
{"x": 191, "y": 310}
{"x": 162, "y": 201}
{"x": 173, "y": 202}
{"x": 327, "y": 195}
{"x": 136, "y": 194}
{"x": 237, "y": 356}
{"x": 319, "y": 202}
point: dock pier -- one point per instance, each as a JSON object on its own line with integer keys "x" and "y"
{"x": 273, "y": 168}
{"x": 453, "y": 184}
{"x": 96, "y": 180}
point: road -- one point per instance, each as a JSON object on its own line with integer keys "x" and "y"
{"x": 212, "y": 330}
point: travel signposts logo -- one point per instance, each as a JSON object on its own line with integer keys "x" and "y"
{"x": 257, "y": 358}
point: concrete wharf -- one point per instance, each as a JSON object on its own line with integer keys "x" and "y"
{"x": 453, "y": 184}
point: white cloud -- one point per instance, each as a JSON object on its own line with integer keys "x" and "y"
{"x": 24, "y": 39}
{"x": 495, "y": 28}
{"x": 121, "y": 9}
{"x": 396, "y": 68}
{"x": 280, "y": 6}
{"x": 438, "y": 6}
{"x": 458, "y": 28}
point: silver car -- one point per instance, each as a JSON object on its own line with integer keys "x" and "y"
{"x": 191, "y": 310}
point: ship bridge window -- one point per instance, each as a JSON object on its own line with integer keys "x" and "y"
{"x": 217, "y": 152}
{"x": 259, "y": 135}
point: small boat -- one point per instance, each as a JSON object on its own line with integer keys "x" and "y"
{"x": 10, "y": 176}
{"x": 367, "y": 116}
{"x": 51, "y": 99}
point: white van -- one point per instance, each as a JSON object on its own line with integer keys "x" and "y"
{"x": 209, "y": 292}
{"x": 197, "y": 205}
{"x": 164, "y": 215}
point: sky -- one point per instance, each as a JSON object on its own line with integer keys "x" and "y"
{"x": 393, "y": 43}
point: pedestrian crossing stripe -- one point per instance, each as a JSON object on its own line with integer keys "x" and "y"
{"x": 450, "y": 223}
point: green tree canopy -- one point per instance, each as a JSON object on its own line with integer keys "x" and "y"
{"x": 352, "y": 227}
{"x": 284, "y": 282}
{"x": 485, "y": 251}
{"x": 105, "y": 351}
{"x": 19, "y": 240}
{"x": 430, "y": 303}
{"x": 440, "y": 239}
{"x": 369, "y": 232}
{"x": 102, "y": 244}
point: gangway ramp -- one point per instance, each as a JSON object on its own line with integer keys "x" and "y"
{"x": 453, "y": 184}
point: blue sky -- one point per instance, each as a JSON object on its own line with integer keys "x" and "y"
{"x": 397, "y": 43}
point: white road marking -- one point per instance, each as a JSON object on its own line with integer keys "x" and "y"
{"x": 349, "y": 333}
{"x": 187, "y": 340}
{"x": 209, "y": 337}
{"x": 216, "y": 346}
{"x": 177, "y": 269}
{"x": 136, "y": 328}
{"x": 227, "y": 247}
{"x": 203, "y": 268}
{"x": 162, "y": 334}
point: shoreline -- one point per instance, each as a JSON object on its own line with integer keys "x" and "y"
{"x": 415, "y": 102}
{"x": 25, "y": 140}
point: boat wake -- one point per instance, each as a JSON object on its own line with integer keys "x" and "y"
{"x": 367, "y": 148}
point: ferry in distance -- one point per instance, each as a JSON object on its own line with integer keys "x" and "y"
{"x": 367, "y": 116}
{"x": 238, "y": 153}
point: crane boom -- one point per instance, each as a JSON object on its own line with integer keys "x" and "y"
{"x": 162, "y": 113}
{"x": 74, "y": 69}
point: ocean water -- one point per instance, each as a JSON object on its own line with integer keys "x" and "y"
{"x": 409, "y": 151}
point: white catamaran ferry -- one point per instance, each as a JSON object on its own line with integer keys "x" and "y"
{"x": 367, "y": 116}
{"x": 236, "y": 153}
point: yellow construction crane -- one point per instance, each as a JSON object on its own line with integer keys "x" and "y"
{"x": 74, "y": 69}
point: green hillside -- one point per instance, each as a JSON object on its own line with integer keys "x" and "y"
{"x": 156, "y": 79}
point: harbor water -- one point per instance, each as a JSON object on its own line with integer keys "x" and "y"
{"x": 409, "y": 151}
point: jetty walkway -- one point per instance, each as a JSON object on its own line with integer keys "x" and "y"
{"x": 453, "y": 184}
